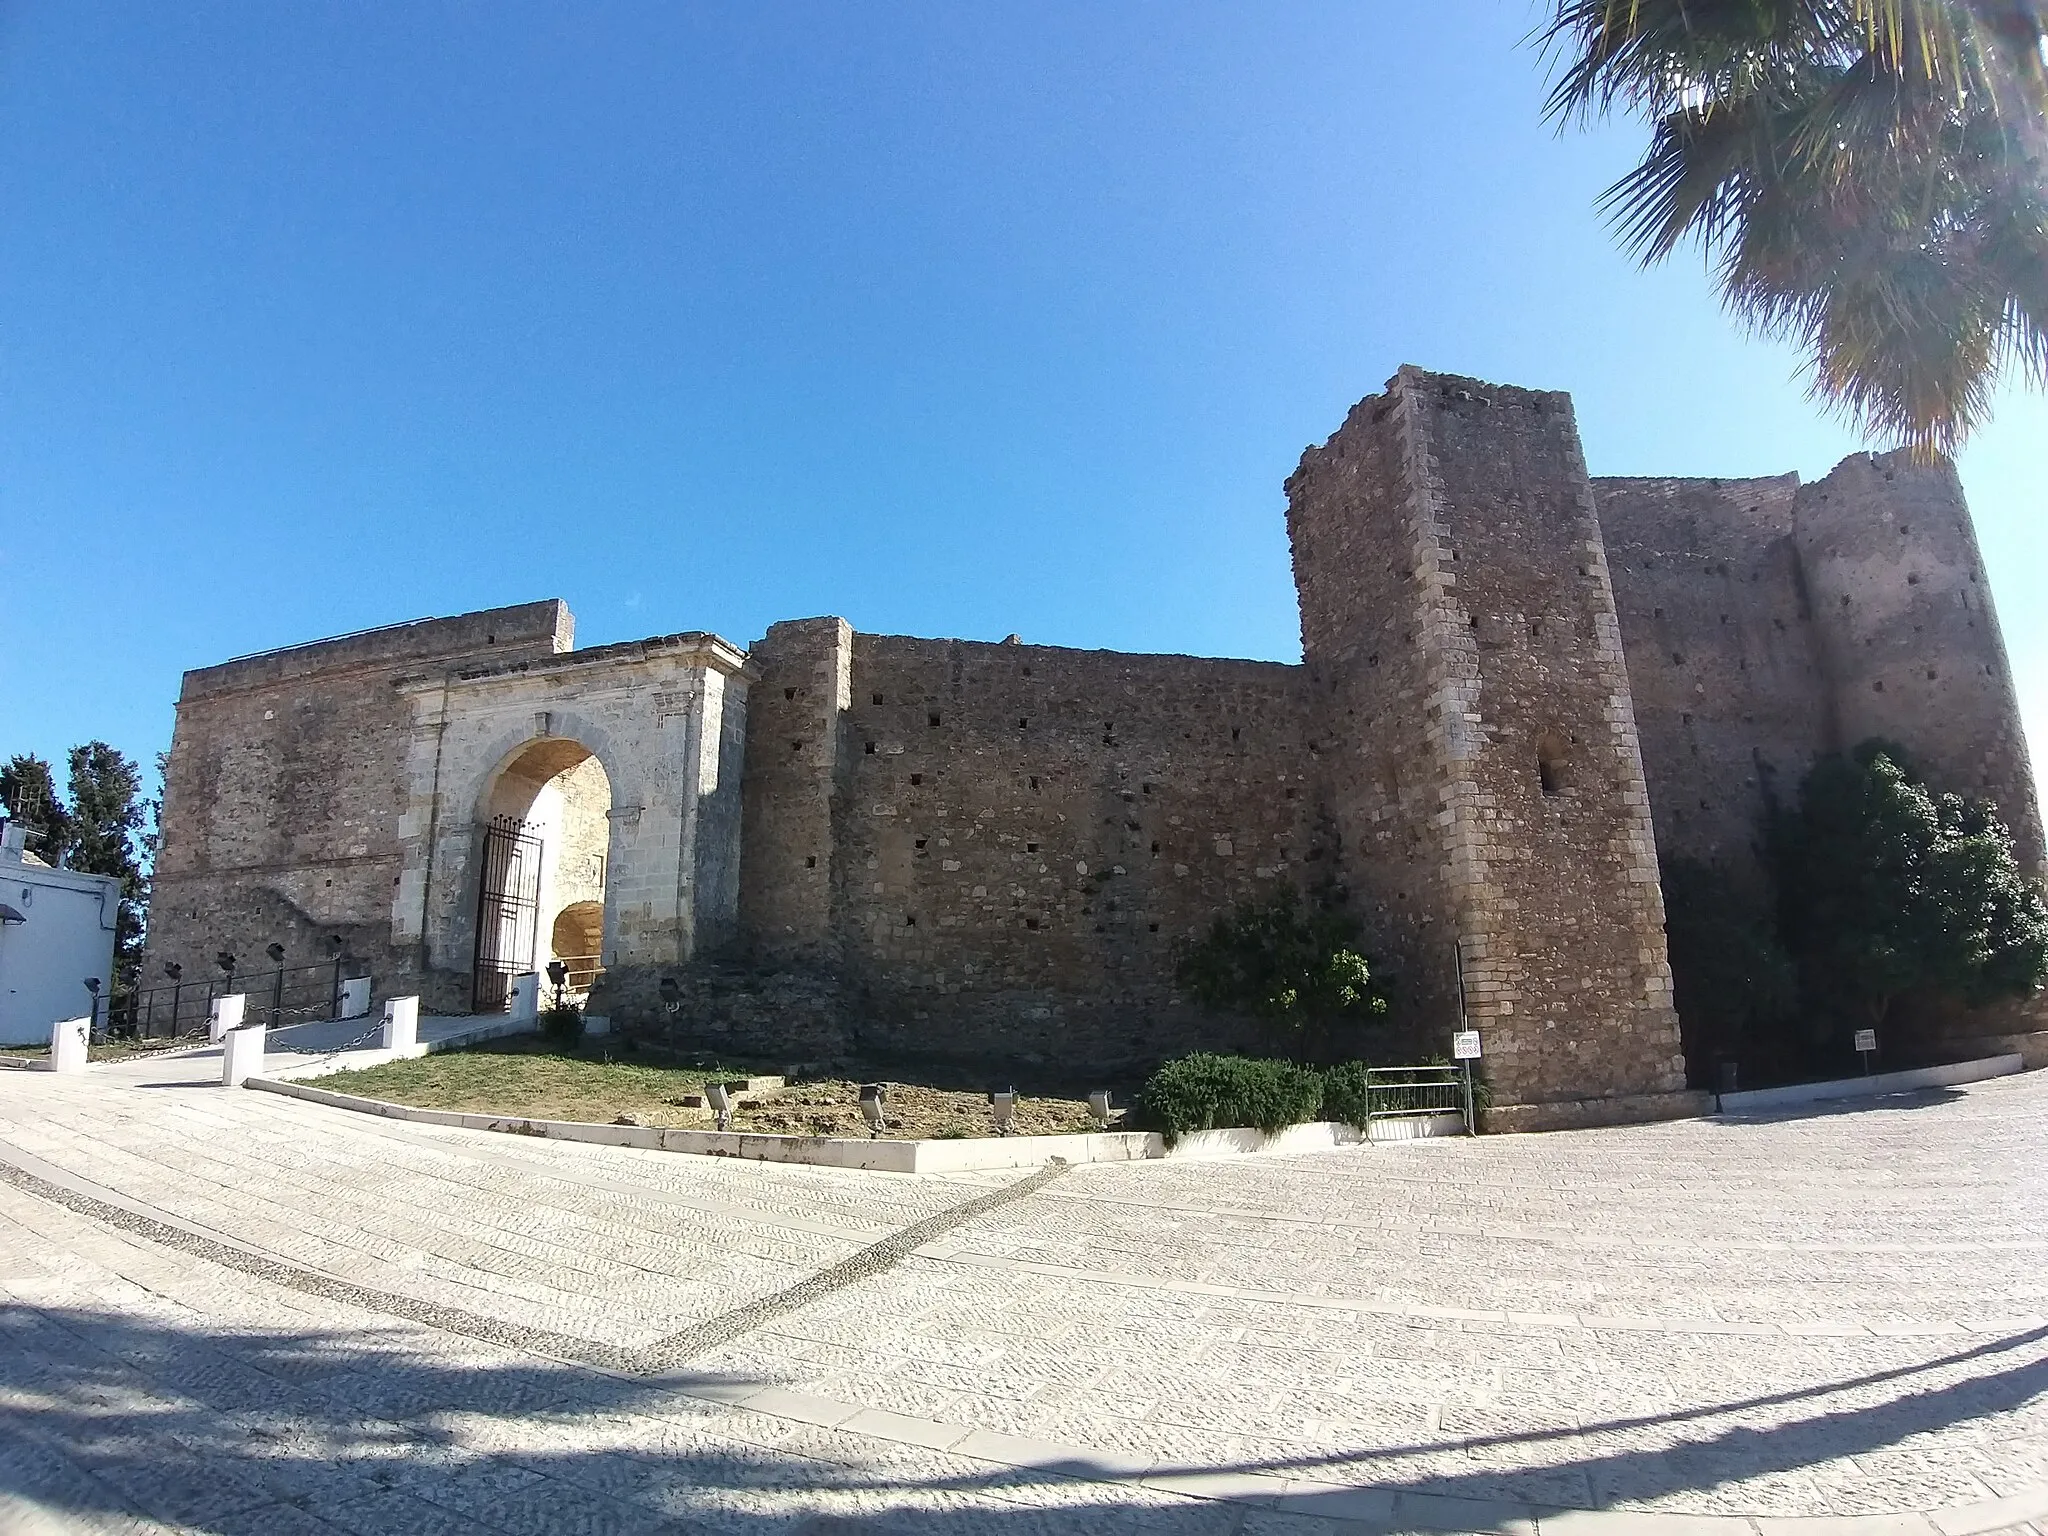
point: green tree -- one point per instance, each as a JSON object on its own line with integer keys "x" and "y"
{"x": 1870, "y": 177}
{"x": 1888, "y": 890}
{"x": 105, "y": 820}
{"x": 1290, "y": 964}
{"x": 28, "y": 791}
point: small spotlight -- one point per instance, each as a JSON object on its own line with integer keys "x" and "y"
{"x": 174, "y": 970}
{"x": 719, "y": 1097}
{"x": 1004, "y": 1107}
{"x": 1098, "y": 1108}
{"x": 671, "y": 994}
{"x": 276, "y": 953}
{"x": 871, "y": 1097}
{"x": 225, "y": 961}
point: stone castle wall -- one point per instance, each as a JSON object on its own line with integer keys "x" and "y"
{"x": 1518, "y": 686}
{"x": 285, "y": 787}
{"x": 996, "y": 847}
{"x": 1724, "y": 665}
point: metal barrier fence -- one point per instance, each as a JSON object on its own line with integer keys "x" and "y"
{"x": 1396, "y": 1093}
{"x": 281, "y": 994}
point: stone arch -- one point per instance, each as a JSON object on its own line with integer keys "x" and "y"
{"x": 564, "y": 726}
{"x": 560, "y": 790}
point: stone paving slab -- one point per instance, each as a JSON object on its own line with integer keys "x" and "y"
{"x": 1832, "y": 1323}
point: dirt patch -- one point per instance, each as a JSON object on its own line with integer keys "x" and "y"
{"x": 524, "y": 1077}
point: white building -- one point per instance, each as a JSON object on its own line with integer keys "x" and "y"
{"x": 56, "y": 930}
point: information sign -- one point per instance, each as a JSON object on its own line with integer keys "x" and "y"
{"x": 1866, "y": 1039}
{"x": 1465, "y": 1045}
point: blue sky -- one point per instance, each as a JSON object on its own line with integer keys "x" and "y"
{"x": 948, "y": 319}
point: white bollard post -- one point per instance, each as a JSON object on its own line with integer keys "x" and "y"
{"x": 401, "y": 1023}
{"x": 526, "y": 997}
{"x": 355, "y": 997}
{"x": 68, "y": 1038}
{"x": 224, "y": 1015}
{"x": 241, "y": 1054}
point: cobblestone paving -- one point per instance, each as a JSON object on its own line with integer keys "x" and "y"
{"x": 1733, "y": 1325}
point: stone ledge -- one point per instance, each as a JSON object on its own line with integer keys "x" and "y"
{"x": 1588, "y": 1114}
{"x": 1952, "y": 1075}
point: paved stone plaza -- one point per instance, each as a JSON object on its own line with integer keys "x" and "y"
{"x": 232, "y": 1312}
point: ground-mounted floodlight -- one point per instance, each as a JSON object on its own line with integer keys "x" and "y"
{"x": 719, "y": 1097}
{"x": 174, "y": 970}
{"x": 1098, "y": 1108}
{"x": 225, "y": 959}
{"x": 276, "y": 953}
{"x": 1003, "y": 1106}
{"x": 9, "y": 916}
{"x": 871, "y": 1097}
{"x": 671, "y": 993}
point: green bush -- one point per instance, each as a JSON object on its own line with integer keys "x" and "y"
{"x": 1344, "y": 1092}
{"x": 1208, "y": 1092}
{"x": 1292, "y": 966}
{"x": 563, "y": 1025}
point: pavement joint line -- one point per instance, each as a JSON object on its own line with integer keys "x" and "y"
{"x": 84, "y": 1198}
{"x": 1548, "y": 1238}
{"x": 1591, "y": 1322}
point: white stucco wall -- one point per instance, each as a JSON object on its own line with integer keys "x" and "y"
{"x": 66, "y": 934}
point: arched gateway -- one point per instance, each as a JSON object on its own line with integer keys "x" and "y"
{"x": 607, "y": 777}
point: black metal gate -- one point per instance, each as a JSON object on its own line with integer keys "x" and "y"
{"x": 507, "y": 911}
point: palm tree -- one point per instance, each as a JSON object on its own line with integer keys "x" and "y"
{"x": 1869, "y": 176}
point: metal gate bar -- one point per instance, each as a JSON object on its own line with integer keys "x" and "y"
{"x": 507, "y": 911}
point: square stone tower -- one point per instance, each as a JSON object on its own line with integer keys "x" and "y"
{"x": 1479, "y": 743}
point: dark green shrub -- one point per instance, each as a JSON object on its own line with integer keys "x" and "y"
{"x": 1207, "y": 1092}
{"x": 1889, "y": 889}
{"x": 563, "y": 1026}
{"x": 1291, "y": 965}
{"x": 1344, "y": 1092}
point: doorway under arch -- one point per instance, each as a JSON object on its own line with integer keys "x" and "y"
{"x": 578, "y": 942}
{"x": 546, "y": 850}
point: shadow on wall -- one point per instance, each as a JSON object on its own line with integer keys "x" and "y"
{"x": 104, "y": 1415}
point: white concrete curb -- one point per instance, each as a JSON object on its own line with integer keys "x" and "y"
{"x": 1871, "y": 1087}
{"x": 885, "y": 1155}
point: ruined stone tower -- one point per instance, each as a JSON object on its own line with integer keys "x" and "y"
{"x": 1479, "y": 747}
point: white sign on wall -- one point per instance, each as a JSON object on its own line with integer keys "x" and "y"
{"x": 1465, "y": 1045}
{"x": 1866, "y": 1039}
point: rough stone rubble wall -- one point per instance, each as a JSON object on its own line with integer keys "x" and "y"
{"x": 1908, "y": 635}
{"x": 285, "y": 786}
{"x": 1724, "y": 665}
{"x": 1016, "y": 836}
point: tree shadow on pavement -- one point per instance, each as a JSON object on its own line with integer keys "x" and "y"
{"x": 397, "y": 1429}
